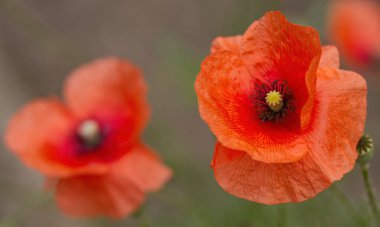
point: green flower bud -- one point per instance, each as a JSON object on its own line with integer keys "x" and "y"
{"x": 365, "y": 149}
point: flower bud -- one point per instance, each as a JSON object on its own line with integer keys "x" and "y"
{"x": 365, "y": 149}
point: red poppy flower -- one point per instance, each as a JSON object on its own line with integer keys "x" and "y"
{"x": 90, "y": 145}
{"x": 287, "y": 119}
{"x": 354, "y": 26}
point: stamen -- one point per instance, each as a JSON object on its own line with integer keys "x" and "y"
{"x": 89, "y": 132}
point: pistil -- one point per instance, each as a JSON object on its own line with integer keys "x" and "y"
{"x": 274, "y": 100}
{"x": 89, "y": 132}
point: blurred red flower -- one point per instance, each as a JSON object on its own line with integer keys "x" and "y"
{"x": 90, "y": 145}
{"x": 287, "y": 119}
{"x": 354, "y": 26}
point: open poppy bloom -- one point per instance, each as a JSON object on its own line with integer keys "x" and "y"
{"x": 287, "y": 119}
{"x": 90, "y": 145}
{"x": 354, "y": 26}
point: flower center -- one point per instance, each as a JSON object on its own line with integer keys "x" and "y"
{"x": 273, "y": 101}
{"x": 89, "y": 133}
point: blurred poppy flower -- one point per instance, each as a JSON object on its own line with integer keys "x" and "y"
{"x": 287, "y": 119}
{"x": 89, "y": 146}
{"x": 354, "y": 26}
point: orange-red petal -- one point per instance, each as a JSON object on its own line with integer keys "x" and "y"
{"x": 237, "y": 173}
{"x": 34, "y": 134}
{"x": 274, "y": 49}
{"x": 108, "y": 86}
{"x": 143, "y": 167}
{"x": 232, "y": 43}
{"x": 108, "y": 195}
{"x": 120, "y": 192}
{"x": 224, "y": 88}
{"x": 337, "y": 125}
{"x": 330, "y": 57}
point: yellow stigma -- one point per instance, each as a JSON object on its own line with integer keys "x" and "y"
{"x": 274, "y": 100}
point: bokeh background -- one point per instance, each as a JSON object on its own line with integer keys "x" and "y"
{"x": 42, "y": 41}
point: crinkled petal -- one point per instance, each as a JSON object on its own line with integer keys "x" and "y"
{"x": 224, "y": 88}
{"x": 232, "y": 43}
{"x": 237, "y": 173}
{"x": 36, "y": 131}
{"x": 337, "y": 125}
{"x": 274, "y": 49}
{"x": 89, "y": 196}
{"x": 109, "y": 85}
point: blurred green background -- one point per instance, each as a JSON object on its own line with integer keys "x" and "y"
{"x": 42, "y": 41}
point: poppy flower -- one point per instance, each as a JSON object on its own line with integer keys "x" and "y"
{"x": 286, "y": 118}
{"x": 354, "y": 26}
{"x": 89, "y": 146}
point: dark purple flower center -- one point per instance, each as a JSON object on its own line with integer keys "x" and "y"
{"x": 267, "y": 111}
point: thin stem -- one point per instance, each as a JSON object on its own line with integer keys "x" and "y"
{"x": 282, "y": 216}
{"x": 370, "y": 192}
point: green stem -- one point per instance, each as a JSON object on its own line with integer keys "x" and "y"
{"x": 370, "y": 192}
{"x": 282, "y": 216}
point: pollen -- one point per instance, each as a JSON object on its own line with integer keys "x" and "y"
{"x": 274, "y": 100}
